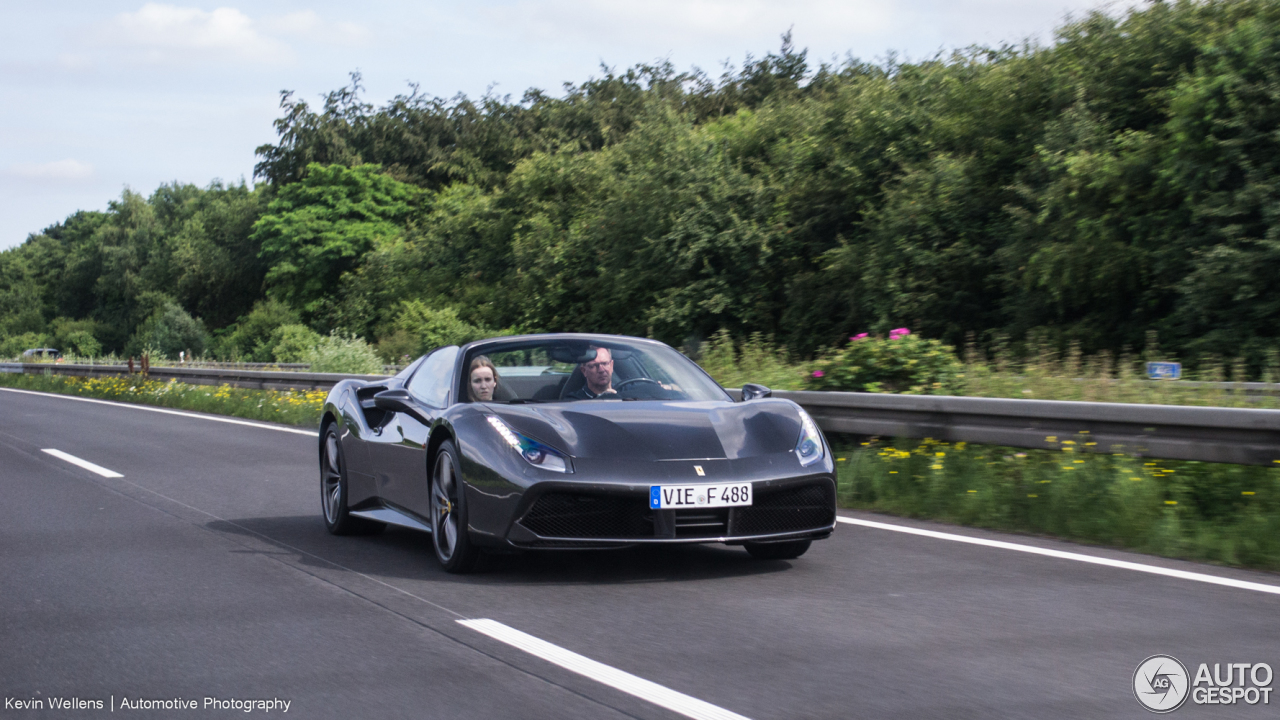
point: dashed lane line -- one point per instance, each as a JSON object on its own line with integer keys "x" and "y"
{"x": 81, "y": 462}
{"x": 619, "y": 680}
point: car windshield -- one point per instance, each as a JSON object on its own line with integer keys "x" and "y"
{"x": 532, "y": 371}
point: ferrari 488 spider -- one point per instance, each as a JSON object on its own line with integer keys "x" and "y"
{"x": 572, "y": 441}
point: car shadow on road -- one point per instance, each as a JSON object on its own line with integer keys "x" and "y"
{"x": 401, "y": 553}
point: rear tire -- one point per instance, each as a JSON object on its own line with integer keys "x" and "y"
{"x": 449, "y": 536}
{"x": 333, "y": 491}
{"x": 788, "y": 550}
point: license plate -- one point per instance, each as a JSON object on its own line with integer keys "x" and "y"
{"x": 666, "y": 497}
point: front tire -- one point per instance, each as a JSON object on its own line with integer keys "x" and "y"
{"x": 333, "y": 491}
{"x": 788, "y": 550}
{"x": 449, "y": 536}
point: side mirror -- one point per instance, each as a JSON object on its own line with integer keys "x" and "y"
{"x": 751, "y": 391}
{"x": 399, "y": 400}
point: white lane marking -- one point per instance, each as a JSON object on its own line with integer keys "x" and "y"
{"x": 248, "y": 423}
{"x": 1078, "y": 557}
{"x": 83, "y": 463}
{"x": 626, "y": 682}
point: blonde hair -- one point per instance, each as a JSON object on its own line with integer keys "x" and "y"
{"x": 479, "y": 362}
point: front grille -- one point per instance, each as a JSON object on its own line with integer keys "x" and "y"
{"x": 713, "y": 522}
{"x": 573, "y": 515}
{"x": 788, "y": 510}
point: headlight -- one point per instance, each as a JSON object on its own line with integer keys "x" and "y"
{"x": 533, "y": 452}
{"x": 809, "y": 448}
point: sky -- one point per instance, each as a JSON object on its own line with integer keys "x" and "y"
{"x": 104, "y": 95}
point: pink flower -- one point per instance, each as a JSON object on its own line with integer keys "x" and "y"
{"x": 818, "y": 373}
{"x": 859, "y": 336}
{"x": 898, "y": 332}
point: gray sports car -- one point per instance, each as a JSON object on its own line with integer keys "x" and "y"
{"x": 572, "y": 441}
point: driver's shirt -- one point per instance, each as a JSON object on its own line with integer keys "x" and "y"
{"x": 584, "y": 393}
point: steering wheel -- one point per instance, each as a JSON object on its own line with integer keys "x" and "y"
{"x": 625, "y": 383}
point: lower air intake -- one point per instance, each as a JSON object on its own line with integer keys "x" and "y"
{"x": 807, "y": 507}
{"x": 571, "y": 515}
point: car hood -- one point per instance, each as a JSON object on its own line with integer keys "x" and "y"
{"x": 654, "y": 430}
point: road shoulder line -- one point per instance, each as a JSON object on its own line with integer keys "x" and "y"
{"x": 1063, "y": 555}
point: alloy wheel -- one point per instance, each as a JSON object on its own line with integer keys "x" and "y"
{"x": 444, "y": 514}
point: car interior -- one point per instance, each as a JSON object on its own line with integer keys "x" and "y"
{"x": 559, "y": 377}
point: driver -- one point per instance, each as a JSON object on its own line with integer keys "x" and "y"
{"x": 599, "y": 376}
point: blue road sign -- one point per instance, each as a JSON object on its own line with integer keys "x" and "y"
{"x": 1164, "y": 370}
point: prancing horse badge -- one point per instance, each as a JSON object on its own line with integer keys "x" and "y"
{"x": 698, "y": 469}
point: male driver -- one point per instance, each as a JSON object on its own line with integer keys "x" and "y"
{"x": 599, "y": 376}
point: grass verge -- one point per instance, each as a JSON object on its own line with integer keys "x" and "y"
{"x": 1227, "y": 514}
{"x": 300, "y": 407}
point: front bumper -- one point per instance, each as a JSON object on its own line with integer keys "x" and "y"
{"x": 577, "y": 516}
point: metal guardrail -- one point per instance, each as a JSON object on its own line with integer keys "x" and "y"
{"x": 303, "y": 367}
{"x": 1243, "y": 436}
{"x": 235, "y": 377}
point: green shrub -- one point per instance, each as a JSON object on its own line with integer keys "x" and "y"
{"x": 343, "y": 354}
{"x": 398, "y": 346}
{"x": 76, "y": 337}
{"x": 293, "y": 343}
{"x": 755, "y": 360}
{"x": 253, "y": 337}
{"x": 902, "y": 363}
{"x": 430, "y": 328}
{"x": 81, "y": 343}
{"x": 167, "y": 332}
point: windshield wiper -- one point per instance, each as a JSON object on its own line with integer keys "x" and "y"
{"x": 527, "y": 401}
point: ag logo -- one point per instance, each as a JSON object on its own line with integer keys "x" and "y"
{"x": 1160, "y": 683}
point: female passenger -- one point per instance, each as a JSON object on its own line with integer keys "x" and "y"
{"x": 482, "y": 380}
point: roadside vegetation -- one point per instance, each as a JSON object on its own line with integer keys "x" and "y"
{"x": 1228, "y": 514}
{"x": 904, "y": 363}
{"x": 334, "y": 353}
{"x": 298, "y": 407}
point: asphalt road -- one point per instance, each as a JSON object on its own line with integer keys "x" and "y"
{"x": 205, "y": 571}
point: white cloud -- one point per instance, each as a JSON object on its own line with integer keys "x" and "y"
{"x": 59, "y": 170}
{"x": 158, "y": 33}
{"x": 164, "y": 33}
{"x": 307, "y": 25}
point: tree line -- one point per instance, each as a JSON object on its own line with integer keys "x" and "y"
{"x": 1118, "y": 181}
